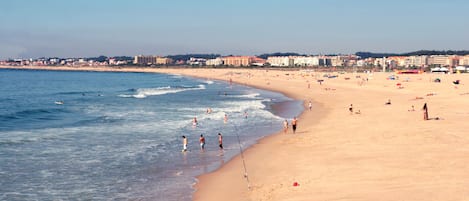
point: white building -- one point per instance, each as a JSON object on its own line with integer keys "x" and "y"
{"x": 418, "y": 61}
{"x": 281, "y": 61}
{"x": 306, "y": 61}
{"x": 214, "y": 62}
{"x": 439, "y": 60}
{"x": 464, "y": 61}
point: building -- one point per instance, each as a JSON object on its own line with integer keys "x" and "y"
{"x": 418, "y": 61}
{"x": 144, "y": 60}
{"x": 438, "y": 60}
{"x": 464, "y": 60}
{"x": 214, "y": 62}
{"x": 281, "y": 61}
{"x": 196, "y": 61}
{"x": 238, "y": 60}
{"x": 163, "y": 61}
{"x": 151, "y": 60}
{"x": 306, "y": 61}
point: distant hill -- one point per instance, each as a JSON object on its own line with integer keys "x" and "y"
{"x": 416, "y": 53}
{"x": 279, "y": 54}
{"x": 105, "y": 58}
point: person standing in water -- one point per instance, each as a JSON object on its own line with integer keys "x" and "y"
{"x": 194, "y": 122}
{"x": 220, "y": 140}
{"x": 225, "y": 119}
{"x": 293, "y": 124}
{"x": 202, "y": 142}
{"x": 285, "y": 126}
{"x": 184, "y": 143}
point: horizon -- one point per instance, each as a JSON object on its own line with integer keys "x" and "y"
{"x": 54, "y": 28}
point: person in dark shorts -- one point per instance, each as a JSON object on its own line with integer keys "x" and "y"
{"x": 202, "y": 142}
{"x": 220, "y": 140}
{"x": 293, "y": 124}
{"x": 184, "y": 143}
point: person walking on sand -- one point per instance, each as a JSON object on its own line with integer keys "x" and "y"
{"x": 202, "y": 142}
{"x": 293, "y": 124}
{"x": 220, "y": 140}
{"x": 184, "y": 143}
{"x": 285, "y": 126}
{"x": 350, "y": 109}
{"x": 310, "y": 105}
{"x": 425, "y": 112}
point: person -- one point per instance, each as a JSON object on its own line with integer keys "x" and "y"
{"x": 225, "y": 119}
{"x": 293, "y": 124}
{"x": 202, "y": 142}
{"x": 220, "y": 140}
{"x": 425, "y": 112}
{"x": 310, "y": 105}
{"x": 194, "y": 121}
{"x": 285, "y": 126}
{"x": 350, "y": 109}
{"x": 184, "y": 143}
{"x": 245, "y": 114}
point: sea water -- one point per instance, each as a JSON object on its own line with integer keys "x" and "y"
{"x": 117, "y": 136}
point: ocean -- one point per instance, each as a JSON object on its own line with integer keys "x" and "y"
{"x": 117, "y": 136}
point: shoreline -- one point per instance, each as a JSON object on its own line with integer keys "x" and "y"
{"x": 384, "y": 152}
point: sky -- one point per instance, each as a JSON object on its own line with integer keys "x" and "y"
{"x": 86, "y": 28}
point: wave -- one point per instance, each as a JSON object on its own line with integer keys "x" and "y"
{"x": 145, "y": 92}
{"x": 42, "y": 114}
{"x": 209, "y": 82}
{"x": 176, "y": 76}
{"x": 251, "y": 96}
{"x": 83, "y": 93}
{"x": 23, "y": 137}
{"x": 98, "y": 120}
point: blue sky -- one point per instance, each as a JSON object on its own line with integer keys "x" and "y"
{"x": 81, "y": 28}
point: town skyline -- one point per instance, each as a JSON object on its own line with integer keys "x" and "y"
{"x": 51, "y": 28}
{"x": 434, "y": 60}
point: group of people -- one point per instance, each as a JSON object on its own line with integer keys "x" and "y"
{"x": 202, "y": 138}
{"x": 201, "y": 141}
{"x": 424, "y": 108}
{"x": 293, "y": 125}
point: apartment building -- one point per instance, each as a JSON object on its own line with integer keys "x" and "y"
{"x": 464, "y": 60}
{"x": 214, "y": 62}
{"x": 238, "y": 60}
{"x": 281, "y": 61}
{"x": 151, "y": 60}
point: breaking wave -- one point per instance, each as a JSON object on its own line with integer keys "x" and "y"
{"x": 145, "y": 92}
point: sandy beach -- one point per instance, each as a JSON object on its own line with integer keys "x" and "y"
{"x": 378, "y": 151}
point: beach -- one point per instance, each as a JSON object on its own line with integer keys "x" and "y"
{"x": 377, "y": 151}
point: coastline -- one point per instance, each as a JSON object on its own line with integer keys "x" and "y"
{"x": 387, "y": 152}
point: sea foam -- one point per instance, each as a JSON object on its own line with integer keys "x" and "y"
{"x": 145, "y": 92}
